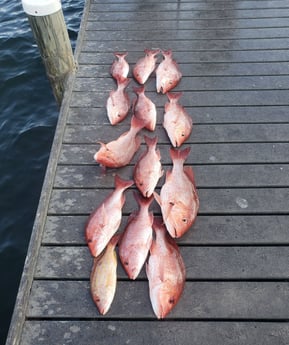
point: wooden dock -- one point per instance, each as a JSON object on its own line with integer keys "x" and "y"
{"x": 234, "y": 56}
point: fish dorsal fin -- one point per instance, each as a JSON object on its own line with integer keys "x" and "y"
{"x": 174, "y": 96}
{"x": 119, "y": 183}
{"x": 189, "y": 172}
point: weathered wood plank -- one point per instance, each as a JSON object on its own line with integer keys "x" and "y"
{"x": 89, "y": 134}
{"x": 201, "y": 263}
{"x": 200, "y": 98}
{"x": 206, "y": 176}
{"x": 177, "y": 35}
{"x": 192, "y": 83}
{"x": 153, "y": 332}
{"x": 207, "y": 230}
{"x": 206, "y": 300}
{"x": 214, "y": 51}
{"x": 201, "y": 115}
{"x": 221, "y": 23}
{"x": 155, "y": 15}
{"x": 201, "y": 153}
{"x": 101, "y": 70}
{"x": 212, "y": 201}
{"x": 186, "y": 6}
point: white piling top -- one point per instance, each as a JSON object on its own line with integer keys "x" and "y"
{"x": 41, "y": 7}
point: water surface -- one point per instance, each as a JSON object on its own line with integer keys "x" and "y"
{"x": 28, "y": 116}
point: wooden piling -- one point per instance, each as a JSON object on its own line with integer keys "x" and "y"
{"x": 48, "y": 26}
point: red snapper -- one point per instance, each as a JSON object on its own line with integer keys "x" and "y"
{"x": 137, "y": 238}
{"x": 166, "y": 272}
{"x": 178, "y": 198}
{"x": 177, "y": 122}
{"x": 119, "y": 152}
{"x": 145, "y": 66}
{"x": 168, "y": 74}
{"x": 105, "y": 220}
{"x": 148, "y": 169}
{"x": 118, "y": 103}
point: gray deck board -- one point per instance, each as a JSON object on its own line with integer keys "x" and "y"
{"x": 234, "y": 59}
{"x": 229, "y": 133}
{"x": 208, "y": 300}
{"x": 162, "y": 333}
{"x": 224, "y": 230}
{"x": 202, "y": 263}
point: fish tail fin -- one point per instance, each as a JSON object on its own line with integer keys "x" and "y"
{"x": 120, "y": 55}
{"x": 174, "y": 96}
{"x": 180, "y": 154}
{"x": 122, "y": 82}
{"x": 122, "y": 184}
{"x": 167, "y": 53}
{"x": 139, "y": 89}
{"x": 137, "y": 123}
{"x": 151, "y": 142}
{"x": 152, "y": 51}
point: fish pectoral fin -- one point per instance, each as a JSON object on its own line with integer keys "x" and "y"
{"x": 158, "y": 199}
{"x": 189, "y": 172}
{"x": 103, "y": 216}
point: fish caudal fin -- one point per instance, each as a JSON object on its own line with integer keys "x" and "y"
{"x": 137, "y": 123}
{"x": 122, "y": 184}
{"x": 180, "y": 154}
{"x": 174, "y": 97}
{"x": 151, "y": 142}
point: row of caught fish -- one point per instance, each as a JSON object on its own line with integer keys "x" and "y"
{"x": 168, "y": 73}
{"x": 177, "y": 123}
{"x": 179, "y": 204}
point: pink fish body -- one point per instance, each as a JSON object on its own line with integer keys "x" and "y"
{"x": 168, "y": 74}
{"x": 105, "y": 220}
{"x": 137, "y": 238}
{"x": 145, "y": 66}
{"x": 119, "y": 152}
{"x": 165, "y": 271}
{"x": 177, "y": 122}
{"x": 178, "y": 198}
{"x": 118, "y": 103}
{"x": 148, "y": 169}
{"x": 119, "y": 68}
{"x": 145, "y": 109}
{"x": 103, "y": 277}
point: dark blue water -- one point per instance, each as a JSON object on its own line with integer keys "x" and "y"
{"x": 28, "y": 116}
